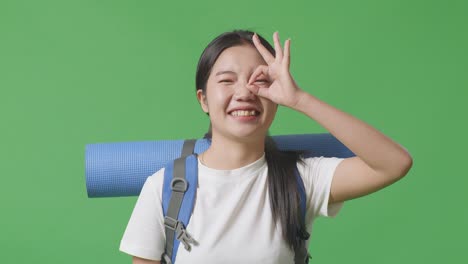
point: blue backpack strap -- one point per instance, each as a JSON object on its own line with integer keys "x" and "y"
{"x": 301, "y": 253}
{"x": 178, "y": 199}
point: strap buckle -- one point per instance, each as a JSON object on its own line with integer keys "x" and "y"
{"x": 165, "y": 259}
{"x": 181, "y": 234}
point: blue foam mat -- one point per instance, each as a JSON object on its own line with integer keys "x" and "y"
{"x": 121, "y": 168}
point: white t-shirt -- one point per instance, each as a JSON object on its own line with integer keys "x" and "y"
{"x": 231, "y": 219}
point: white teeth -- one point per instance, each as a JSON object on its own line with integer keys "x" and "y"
{"x": 243, "y": 113}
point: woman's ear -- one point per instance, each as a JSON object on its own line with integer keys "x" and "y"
{"x": 202, "y": 100}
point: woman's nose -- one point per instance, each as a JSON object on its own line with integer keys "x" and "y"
{"x": 241, "y": 92}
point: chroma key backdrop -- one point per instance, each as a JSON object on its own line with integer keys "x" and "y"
{"x": 78, "y": 72}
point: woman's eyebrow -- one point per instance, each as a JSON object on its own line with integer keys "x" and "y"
{"x": 223, "y": 72}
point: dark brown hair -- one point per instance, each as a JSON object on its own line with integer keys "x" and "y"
{"x": 282, "y": 183}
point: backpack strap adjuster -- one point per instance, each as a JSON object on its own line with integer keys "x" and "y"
{"x": 179, "y": 185}
{"x": 170, "y": 223}
{"x": 181, "y": 234}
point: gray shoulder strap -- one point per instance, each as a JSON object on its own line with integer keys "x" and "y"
{"x": 174, "y": 227}
{"x": 188, "y": 147}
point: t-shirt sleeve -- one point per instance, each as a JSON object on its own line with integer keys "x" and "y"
{"x": 144, "y": 236}
{"x": 317, "y": 174}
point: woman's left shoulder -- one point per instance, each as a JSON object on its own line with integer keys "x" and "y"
{"x": 318, "y": 167}
{"x": 318, "y": 161}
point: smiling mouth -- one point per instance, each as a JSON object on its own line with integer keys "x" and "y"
{"x": 245, "y": 113}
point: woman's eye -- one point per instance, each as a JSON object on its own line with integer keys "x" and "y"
{"x": 225, "y": 81}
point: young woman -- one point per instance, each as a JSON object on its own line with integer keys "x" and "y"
{"x": 247, "y": 203}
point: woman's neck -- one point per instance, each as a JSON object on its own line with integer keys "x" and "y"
{"x": 225, "y": 154}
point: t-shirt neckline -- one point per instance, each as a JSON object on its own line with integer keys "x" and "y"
{"x": 233, "y": 174}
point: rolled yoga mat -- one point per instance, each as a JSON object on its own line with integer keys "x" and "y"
{"x": 121, "y": 168}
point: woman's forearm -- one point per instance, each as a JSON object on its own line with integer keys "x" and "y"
{"x": 377, "y": 150}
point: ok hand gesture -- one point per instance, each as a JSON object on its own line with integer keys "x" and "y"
{"x": 283, "y": 89}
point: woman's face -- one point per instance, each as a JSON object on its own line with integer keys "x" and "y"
{"x": 234, "y": 111}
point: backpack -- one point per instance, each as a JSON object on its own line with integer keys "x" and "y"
{"x": 178, "y": 198}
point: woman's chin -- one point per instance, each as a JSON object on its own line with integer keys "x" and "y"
{"x": 248, "y": 134}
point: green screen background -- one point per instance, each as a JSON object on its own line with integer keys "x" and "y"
{"x": 80, "y": 72}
